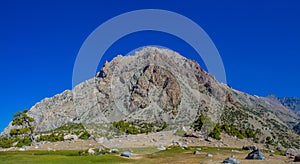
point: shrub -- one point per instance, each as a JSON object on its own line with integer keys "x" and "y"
{"x": 216, "y": 133}
{"x": 85, "y": 135}
{"x": 197, "y": 125}
{"x": 137, "y": 128}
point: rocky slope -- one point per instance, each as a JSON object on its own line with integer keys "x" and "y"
{"x": 291, "y": 103}
{"x": 159, "y": 85}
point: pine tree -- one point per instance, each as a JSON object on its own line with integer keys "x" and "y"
{"x": 24, "y": 125}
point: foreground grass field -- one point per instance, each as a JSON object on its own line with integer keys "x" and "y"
{"x": 141, "y": 155}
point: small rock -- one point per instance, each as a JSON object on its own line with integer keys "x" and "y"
{"x": 161, "y": 147}
{"x": 15, "y": 143}
{"x": 22, "y": 149}
{"x": 101, "y": 149}
{"x": 197, "y": 152}
{"x": 126, "y": 154}
{"x": 91, "y": 151}
{"x": 209, "y": 155}
{"x": 231, "y": 161}
{"x": 235, "y": 151}
{"x": 70, "y": 137}
{"x": 199, "y": 148}
{"x": 114, "y": 150}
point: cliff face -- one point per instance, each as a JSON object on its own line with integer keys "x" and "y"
{"x": 158, "y": 85}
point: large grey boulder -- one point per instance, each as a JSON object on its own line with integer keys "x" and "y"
{"x": 256, "y": 155}
{"x": 126, "y": 154}
{"x": 292, "y": 152}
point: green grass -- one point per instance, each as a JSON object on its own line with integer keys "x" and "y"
{"x": 58, "y": 157}
{"x": 141, "y": 150}
{"x": 146, "y": 155}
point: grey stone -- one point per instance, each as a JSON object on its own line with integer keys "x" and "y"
{"x": 231, "y": 161}
{"x": 91, "y": 151}
{"x": 161, "y": 147}
{"x": 126, "y": 154}
{"x": 292, "y": 152}
{"x": 70, "y": 137}
{"x": 114, "y": 150}
{"x": 256, "y": 155}
{"x": 209, "y": 155}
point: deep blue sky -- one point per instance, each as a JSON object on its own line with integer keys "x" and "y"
{"x": 259, "y": 43}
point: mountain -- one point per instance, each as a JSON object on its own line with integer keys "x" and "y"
{"x": 291, "y": 103}
{"x": 156, "y": 85}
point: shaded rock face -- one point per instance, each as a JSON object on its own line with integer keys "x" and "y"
{"x": 160, "y": 82}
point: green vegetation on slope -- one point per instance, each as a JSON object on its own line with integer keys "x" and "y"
{"x": 52, "y": 136}
{"x": 137, "y": 128}
{"x": 231, "y": 129}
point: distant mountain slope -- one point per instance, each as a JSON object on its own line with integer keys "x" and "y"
{"x": 159, "y": 85}
{"x": 291, "y": 103}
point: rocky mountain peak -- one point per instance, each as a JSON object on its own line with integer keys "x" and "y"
{"x": 159, "y": 85}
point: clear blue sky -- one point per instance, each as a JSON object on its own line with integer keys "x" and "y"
{"x": 259, "y": 42}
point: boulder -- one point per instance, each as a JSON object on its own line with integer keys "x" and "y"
{"x": 101, "y": 149}
{"x": 91, "y": 151}
{"x": 231, "y": 161}
{"x": 256, "y": 154}
{"x": 126, "y": 154}
{"x": 161, "y": 147}
{"x": 209, "y": 155}
{"x": 297, "y": 158}
{"x": 70, "y": 137}
{"x": 292, "y": 152}
{"x": 114, "y": 150}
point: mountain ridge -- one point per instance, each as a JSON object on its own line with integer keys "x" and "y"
{"x": 159, "y": 85}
